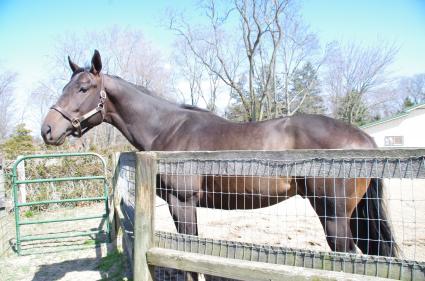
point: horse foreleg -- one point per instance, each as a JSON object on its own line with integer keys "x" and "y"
{"x": 184, "y": 216}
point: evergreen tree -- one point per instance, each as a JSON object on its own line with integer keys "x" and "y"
{"x": 20, "y": 142}
{"x": 408, "y": 102}
{"x": 307, "y": 88}
{"x": 353, "y": 110}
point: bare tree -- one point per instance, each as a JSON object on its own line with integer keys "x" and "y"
{"x": 300, "y": 48}
{"x": 190, "y": 73}
{"x": 210, "y": 98}
{"x": 44, "y": 95}
{"x": 7, "y": 79}
{"x": 192, "y": 80}
{"x": 414, "y": 88}
{"x": 235, "y": 57}
{"x": 353, "y": 73}
{"x": 131, "y": 56}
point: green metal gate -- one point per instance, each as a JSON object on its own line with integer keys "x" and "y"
{"x": 15, "y": 187}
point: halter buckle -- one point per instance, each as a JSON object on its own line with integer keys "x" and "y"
{"x": 103, "y": 94}
{"x": 76, "y": 123}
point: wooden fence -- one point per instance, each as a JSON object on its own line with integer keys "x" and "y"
{"x": 135, "y": 185}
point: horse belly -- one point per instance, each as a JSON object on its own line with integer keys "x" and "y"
{"x": 230, "y": 192}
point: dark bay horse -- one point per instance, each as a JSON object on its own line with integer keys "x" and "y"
{"x": 351, "y": 212}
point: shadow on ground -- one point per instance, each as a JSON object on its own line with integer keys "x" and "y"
{"x": 83, "y": 258}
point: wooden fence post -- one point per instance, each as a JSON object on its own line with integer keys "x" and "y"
{"x": 146, "y": 169}
{"x": 113, "y": 199}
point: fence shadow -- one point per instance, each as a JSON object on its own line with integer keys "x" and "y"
{"x": 99, "y": 263}
{"x": 169, "y": 274}
{"x": 56, "y": 271}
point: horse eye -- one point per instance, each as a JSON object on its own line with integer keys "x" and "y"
{"x": 83, "y": 89}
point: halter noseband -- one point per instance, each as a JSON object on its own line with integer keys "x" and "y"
{"x": 76, "y": 121}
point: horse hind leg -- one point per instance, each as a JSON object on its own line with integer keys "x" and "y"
{"x": 337, "y": 229}
{"x": 328, "y": 200}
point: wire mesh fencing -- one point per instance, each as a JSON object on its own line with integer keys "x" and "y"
{"x": 359, "y": 212}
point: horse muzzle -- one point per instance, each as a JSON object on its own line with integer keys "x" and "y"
{"x": 55, "y": 128}
{"x": 50, "y": 138}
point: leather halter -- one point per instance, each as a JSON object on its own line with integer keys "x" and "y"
{"x": 76, "y": 121}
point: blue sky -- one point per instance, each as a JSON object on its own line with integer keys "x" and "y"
{"x": 28, "y": 28}
{"x": 400, "y": 21}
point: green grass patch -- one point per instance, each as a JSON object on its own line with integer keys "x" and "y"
{"x": 112, "y": 267}
{"x": 91, "y": 242}
{"x": 29, "y": 214}
{"x": 111, "y": 259}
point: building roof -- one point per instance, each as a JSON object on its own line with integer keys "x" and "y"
{"x": 404, "y": 113}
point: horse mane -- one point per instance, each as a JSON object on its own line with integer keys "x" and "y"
{"x": 153, "y": 94}
{"x": 137, "y": 86}
{"x": 194, "y": 108}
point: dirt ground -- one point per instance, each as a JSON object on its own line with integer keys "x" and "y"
{"x": 79, "y": 258}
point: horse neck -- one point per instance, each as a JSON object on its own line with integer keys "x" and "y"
{"x": 139, "y": 116}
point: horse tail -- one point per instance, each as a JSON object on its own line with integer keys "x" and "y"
{"x": 369, "y": 223}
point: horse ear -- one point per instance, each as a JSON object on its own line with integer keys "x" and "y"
{"x": 73, "y": 66}
{"x": 96, "y": 63}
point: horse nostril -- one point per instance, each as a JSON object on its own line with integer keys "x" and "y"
{"x": 45, "y": 130}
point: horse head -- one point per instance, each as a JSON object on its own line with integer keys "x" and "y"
{"x": 81, "y": 105}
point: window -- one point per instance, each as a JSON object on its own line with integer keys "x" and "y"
{"x": 394, "y": 141}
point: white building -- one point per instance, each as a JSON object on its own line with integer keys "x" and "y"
{"x": 406, "y": 129}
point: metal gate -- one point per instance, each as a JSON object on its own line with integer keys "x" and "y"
{"x": 16, "y": 183}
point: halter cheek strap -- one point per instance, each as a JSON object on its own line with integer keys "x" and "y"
{"x": 76, "y": 121}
